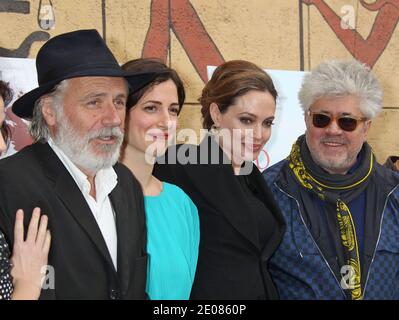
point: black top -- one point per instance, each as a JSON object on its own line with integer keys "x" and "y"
{"x": 258, "y": 211}
{"x": 5, "y": 279}
{"x": 233, "y": 256}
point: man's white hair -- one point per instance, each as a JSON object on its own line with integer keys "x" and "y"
{"x": 38, "y": 128}
{"x": 74, "y": 144}
{"x": 336, "y": 78}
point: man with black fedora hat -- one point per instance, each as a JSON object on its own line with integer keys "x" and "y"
{"x": 94, "y": 204}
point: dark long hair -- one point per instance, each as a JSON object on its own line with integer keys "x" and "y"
{"x": 163, "y": 73}
{"x": 7, "y": 94}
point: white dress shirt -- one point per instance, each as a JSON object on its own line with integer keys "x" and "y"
{"x": 105, "y": 181}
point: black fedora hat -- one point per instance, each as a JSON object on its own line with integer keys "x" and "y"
{"x": 75, "y": 54}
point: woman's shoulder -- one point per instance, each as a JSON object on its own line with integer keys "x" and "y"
{"x": 174, "y": 190}
{"x": 178, "y": 196}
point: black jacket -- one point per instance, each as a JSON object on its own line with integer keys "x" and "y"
{"x": 231, "y": 264}
{"x": 35, "y": 177}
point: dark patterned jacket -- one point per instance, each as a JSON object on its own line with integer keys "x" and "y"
{"x": 299, "y": 268}
{"x": 5, "y": 279}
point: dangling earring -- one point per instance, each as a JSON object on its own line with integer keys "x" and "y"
{"x": 214, "y": 130}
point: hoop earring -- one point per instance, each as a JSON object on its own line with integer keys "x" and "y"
{"x": 214, "y": 130}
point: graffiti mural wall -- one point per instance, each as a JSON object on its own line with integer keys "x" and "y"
{"x": 292, "y": 35}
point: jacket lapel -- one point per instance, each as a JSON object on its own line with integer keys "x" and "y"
{"x": 270, "y": 203}
{"x": 70, "y": 195}
{"x": 122, "y": 226}
{"x": 224, "y": 191}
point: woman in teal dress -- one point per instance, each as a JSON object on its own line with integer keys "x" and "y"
{"x": 172, "y": 218}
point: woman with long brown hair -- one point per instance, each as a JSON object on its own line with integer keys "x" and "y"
{"x": 240, "y": 223}
{"x": 171, "y": 216}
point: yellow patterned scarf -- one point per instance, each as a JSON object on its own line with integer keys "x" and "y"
{"x": 352, "y": 279}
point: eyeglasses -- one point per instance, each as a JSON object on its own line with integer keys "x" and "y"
{"x": 345, "y": 122}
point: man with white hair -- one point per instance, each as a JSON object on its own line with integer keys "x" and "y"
{"x": 341, "y": 207}
{"x": 94, "y": 204}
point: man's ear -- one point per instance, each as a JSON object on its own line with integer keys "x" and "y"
{"x": 367, "y": 126}
{"x": 48, "y": 112}
{"x": 215, "y": 114}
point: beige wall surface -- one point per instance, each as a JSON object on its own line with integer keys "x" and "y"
{"x": 188, "y": 35}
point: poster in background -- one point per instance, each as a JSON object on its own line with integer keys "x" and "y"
{"x": 288, "y": 125}
{"x": 21, "y": 76}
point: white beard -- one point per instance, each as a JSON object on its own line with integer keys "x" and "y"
{"x": 78, "y": 149}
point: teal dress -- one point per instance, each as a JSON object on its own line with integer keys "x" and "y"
{"x": 172, "y": 243}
